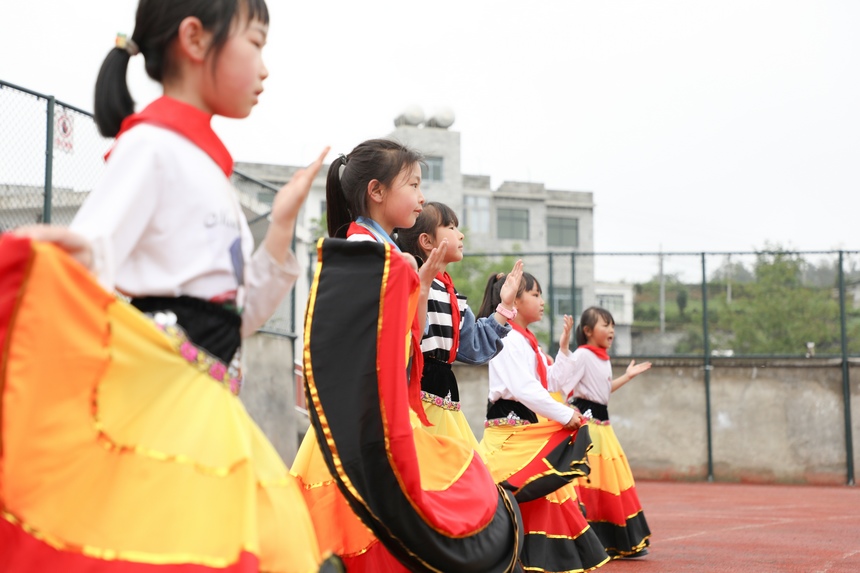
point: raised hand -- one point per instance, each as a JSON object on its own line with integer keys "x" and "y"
{"x": 434, "y": 265}
{"x": 564, "y": 339}
{"x": 634, "y": 369}
{"x": 512, "y": 285}
{"x": 285, "y": 209}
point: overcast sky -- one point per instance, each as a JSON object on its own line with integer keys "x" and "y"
{"x": 698, "y": 125}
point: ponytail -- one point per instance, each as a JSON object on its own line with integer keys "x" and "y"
{"x": 337, "y": 210}
{"x": 113, "y": 101}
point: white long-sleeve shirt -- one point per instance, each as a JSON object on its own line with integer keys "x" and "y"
{"x": 513, "y": 376}
{"x": 591, "y": 377}
{"x": 165, "y": 221}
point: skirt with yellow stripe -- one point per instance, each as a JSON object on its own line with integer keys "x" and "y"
{"x": 119, "y": 453}
{"x": 557, "y": 536}
{"x": 449, "y": 422}
{"x": 612, "y": 506}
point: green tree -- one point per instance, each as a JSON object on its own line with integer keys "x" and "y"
{"x": 778, "y": 314}
{"x": 681, "y": 299}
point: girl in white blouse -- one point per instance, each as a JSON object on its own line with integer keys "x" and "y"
{"x": 532, "y": 440}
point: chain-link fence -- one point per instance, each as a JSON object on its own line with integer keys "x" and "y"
{"x": 52, "y": 154}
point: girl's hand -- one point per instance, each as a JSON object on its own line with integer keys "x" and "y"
{"x": 512, "y": 285}
{"x": 77, "y": 246}
{"x": 576, "y": 420}
{"x": 288, "y": 201}
{"x": 434, "y": 265}
{"x": 634, "y": 369}
{"x": 564, "y": 339}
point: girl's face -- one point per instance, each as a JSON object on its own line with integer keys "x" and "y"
{"x": 236, "y": 82}
{"x": 601, "y": 335}
{"x": 529, "y": 306}
{"x": 402, "y": 202}
{"x": 455, "y": 242}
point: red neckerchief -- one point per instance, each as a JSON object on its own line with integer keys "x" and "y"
{"x": 356, "y": 229}
{"x": 417, "y": 368}
{"x": 186, "y": 120}
{"x": 445, "y": 279}
{"x": 599, "y": 352}
{"x": 529, "y": 335}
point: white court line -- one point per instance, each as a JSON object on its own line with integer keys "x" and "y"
{"x": 830, "y": 564}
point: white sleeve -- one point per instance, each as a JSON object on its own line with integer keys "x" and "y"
{"x": 565, "y": 373}
{"x": 120, "y": 207}
{"x": 266, "y": 284}
{"x": 514, "y": 367}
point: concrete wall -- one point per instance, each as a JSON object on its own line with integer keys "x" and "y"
{"x": 773, "y": 421}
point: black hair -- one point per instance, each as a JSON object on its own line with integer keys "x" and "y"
{"x": 433, "y": 216}
{"x": 346, "y": 192}
{"x": 493, "y": 291}
{"x": 589, "y": 318}
{"x": 156, "y": 27}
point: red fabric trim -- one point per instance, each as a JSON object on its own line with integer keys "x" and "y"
{"x": 186, "y": 120}
{"x": 374, "y": 560}
{"x": 537, "y": 465}
{"x": 442, "y": 510}
{"x": 445, "y": 278}
{"x": 356, "y": 229}
{"x": 606, "y": 506}
{"x": 548, "y": 518}
{"x": 540, "y": 367}
{"x": 598, "y": 351}
{"x": 20, "y": 551}
{"x": 15, "y": 254}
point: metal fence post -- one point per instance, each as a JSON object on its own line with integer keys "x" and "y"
{"x": 846, "y": 379}
{"x": 573, "y": 309}
{"x": 552, "y": 308}
{"x": 49, "y": 160}
{"x": 708, "y": 367}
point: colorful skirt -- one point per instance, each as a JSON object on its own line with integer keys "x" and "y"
{"x": 539, "y": 462}
{"x": 120, "y": 450}
{"x": 425, "y": 501}
{"x": 442, "y": 406}
{"x": 609, "y": 495}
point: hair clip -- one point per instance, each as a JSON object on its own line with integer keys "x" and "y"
{"x": 123, "y": 42}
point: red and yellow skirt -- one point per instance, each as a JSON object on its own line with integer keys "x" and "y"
{"x": 538, "y": 462}
{"x": 612, "y": 506}
{"x": 119, "y": 453}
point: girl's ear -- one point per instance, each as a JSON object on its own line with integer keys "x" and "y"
{"x": 375, "y": 190}
{"x": 425, "y": 241}
{"x": 193, "y": 40}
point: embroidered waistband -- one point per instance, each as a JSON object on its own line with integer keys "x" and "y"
{"x": 445, "y": 403}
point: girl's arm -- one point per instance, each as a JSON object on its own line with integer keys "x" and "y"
{"x": 273, "y": 270}
{"x": 633, "y": 370}
{"x": 563, "y": 374}
{"x": 434, "y": 265}
{"x": 514, "y": 368}
{"x": 480, "y": 340}
{"x": 285, "y": 210}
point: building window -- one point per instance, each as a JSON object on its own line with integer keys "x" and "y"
{"x": 476, "y": 214}
{"x": 431, "y": 169}
{"x": 513, "y": 223}
{"x": 562, "y": 232}
{"x": 614, "y": 303}
{"x": 561, "y": 302}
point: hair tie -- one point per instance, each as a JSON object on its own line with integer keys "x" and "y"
{"x": 123, "y": 42}
{"x": 499, "y": 276}
{"x": 342, "y": 167}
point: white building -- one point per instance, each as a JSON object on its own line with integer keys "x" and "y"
{"x": 548, "y": 226}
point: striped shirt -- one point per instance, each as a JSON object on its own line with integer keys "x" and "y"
{"x": 439, "y": 332}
